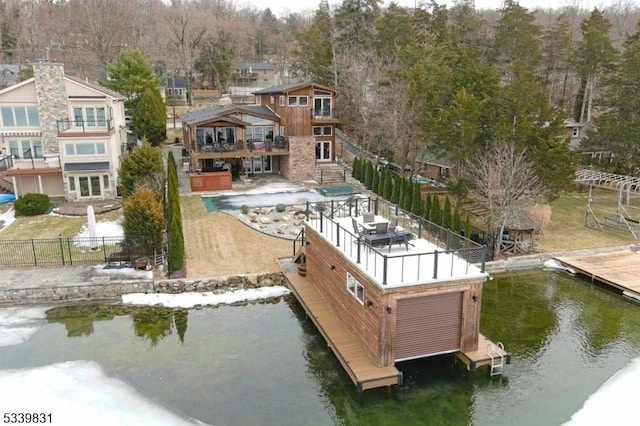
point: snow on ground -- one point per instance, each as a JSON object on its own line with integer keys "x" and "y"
{"x": 614, "y": 403}
{"x": 123, "y": 273}
{"x": 19, "y": 324}
{"x": 106, "y": 229}
{"x": 7, "y": 218}
{"x": 189, "y": 300}
{"x": 81, "y": 393}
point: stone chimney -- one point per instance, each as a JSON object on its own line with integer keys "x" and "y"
{"x": 52, "y": 101}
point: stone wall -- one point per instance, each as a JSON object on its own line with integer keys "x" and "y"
{"x": 52, "y": 101}
{"x": 302, "y": 159}
{"x": 112, "y": 290}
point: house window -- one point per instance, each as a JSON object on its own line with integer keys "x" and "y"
{"x": 295, "y": 101}
{"x": 89, "y": 117}
{"x": 575, "y": 132}
{"x": 355, "y": 288}
{"x": 20, "y": 116}
{"x": 26, "y": 148}
{"x": 322, "y": 130}
{"x": 85, "y": 148}
{"x": 281, "y": 100}
{"x": 88, "y": 186}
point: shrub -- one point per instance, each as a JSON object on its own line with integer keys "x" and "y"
{"x": 280, "y": 208}
{"x": 32, "y": 204}
{"x": 244, "y": 209}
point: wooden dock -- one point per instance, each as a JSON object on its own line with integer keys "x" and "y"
{"x": 364, "y": 373}
{"x": 487, "y": 353}
{"x": 620, "y": 269}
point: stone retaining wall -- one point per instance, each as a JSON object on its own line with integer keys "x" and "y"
{"x": 112, "y": 290}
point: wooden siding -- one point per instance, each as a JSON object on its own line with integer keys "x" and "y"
{"x": 437, "y": 319}
{"x": 363, "y": 321}
{"x": 374, "y": 323}
{"x": 23, "y": 95}
{"x": 355, "y": 360}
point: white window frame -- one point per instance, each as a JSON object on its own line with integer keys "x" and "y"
{"x": 98, "y": 148}
{"x": 295, "y": 101}
{"x": 30, "y": 115}
{"x": 16, "y": 147}
{"x": 355, "y": 288}
{"x": 322, "y": 131}
{"x": 90, "y": 116}
{"x": 282, "y": 100}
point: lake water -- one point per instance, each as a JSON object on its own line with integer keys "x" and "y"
{"x": 265, "y": 363}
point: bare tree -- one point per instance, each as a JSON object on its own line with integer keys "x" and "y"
{"x": 505, "y": 177}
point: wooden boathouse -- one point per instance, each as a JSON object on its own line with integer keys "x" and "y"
{"x": 411, "y": 292}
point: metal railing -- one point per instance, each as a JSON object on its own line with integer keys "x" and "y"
{"x": 86, "y": 126}
{"x": 112, "y": 251}
{"x": 453, "y": 254}
{"x": 324, "y": 114}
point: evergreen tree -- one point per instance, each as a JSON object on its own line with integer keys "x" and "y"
{"x": 446, "y": 213}
{"x": 416, "y": 202}
{"x": 388, "y": 185}
{"x": 368, "y": 177}
{"x": 375, "y": 177}
{"x": 618, "y": 128}
{"x": 150, "y": 117}
{"x": 314, "y": 53}
{"x": 426, "y": 210}
{"x": 143, "y": 221}
{"x": 456, "y": 221}
{"x": 435, "y": 214}
{"x": 354, "y": 168}
{"x": 175, "y": 232}
{"x": 407, "y": 199}
{"x": 397, "y": 190}
{"x": 131, "y": 75}
{"x": 143, "y": 167}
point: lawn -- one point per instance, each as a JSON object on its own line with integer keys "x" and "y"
{"x": 50, "y": 226}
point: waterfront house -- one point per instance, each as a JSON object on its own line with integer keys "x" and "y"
{"x": 290, "y": 130}
{"x": 61, "y": 136}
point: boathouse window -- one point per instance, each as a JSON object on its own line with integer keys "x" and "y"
{"x": 355, "y": 288}
{"x": 298, "y": 101}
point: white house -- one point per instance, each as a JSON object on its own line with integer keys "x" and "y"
{"x": 61, "y": 136}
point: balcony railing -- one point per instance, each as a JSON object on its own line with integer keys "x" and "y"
{"x": 85, "y": 126}
{"x": 241, "y": 147}
{"x": 437, "y": 253}
{"x": 8, "y": 163}
{"x": 324, "y": 114}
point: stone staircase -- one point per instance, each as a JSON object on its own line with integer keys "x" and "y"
{"x": 329, "y": 174}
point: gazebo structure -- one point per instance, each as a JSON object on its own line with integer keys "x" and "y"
{"x": 521, "y": 229}
{"x": 626, "y": 217}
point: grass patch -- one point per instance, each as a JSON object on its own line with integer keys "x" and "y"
{"x": 50, "y": 226}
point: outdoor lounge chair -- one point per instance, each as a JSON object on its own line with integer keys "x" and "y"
{"x": 393, "y": 223}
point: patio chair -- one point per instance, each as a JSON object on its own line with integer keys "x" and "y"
{"x": 393, "y": 223}
{"x": 382, "y": 227}
{"x": 357, "y": 228}
{"x": 368, "y": 217}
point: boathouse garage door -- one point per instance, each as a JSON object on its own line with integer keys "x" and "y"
{"x": 428, "y": 325}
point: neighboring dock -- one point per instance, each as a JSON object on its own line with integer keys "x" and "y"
{"x": 620, "y": 269}
{"x": 354, "y": 359}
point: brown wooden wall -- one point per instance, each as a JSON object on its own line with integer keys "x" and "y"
{"x": 375, "y": 325}
{"x": 210, "y": 181}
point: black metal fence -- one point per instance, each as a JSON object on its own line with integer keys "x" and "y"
{"x": 111, "y": 251}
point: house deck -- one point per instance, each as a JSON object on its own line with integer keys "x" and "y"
{"x": 357, "y": 363}
{"x": 619, "y": 269}
{"x": 487, "y": 351}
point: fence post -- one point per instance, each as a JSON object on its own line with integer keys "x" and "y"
{"x": 33, "y": 248}
{"x": 384, "y": 270}
{"x": 435, "y": 264}
{"x": 337, "y": 234}
{"x": 61, "y": 249}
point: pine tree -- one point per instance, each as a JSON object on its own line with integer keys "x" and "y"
{"x": 397, "y": 190}
{"x": 174, "y": 229}
{"x": 435, "y": 214}
{"x": 456, "y": 222}
{"x": 426, "y": 210}
{"x": 368, "y": 177}
{"x": 375, "y": 177}
{"x": 416, "y": 203}
{"x": 354, "y": 168}
{"x": 388, "y": 184}
{"x": 446, "y": 214}
{"x": 407, "y": 200}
